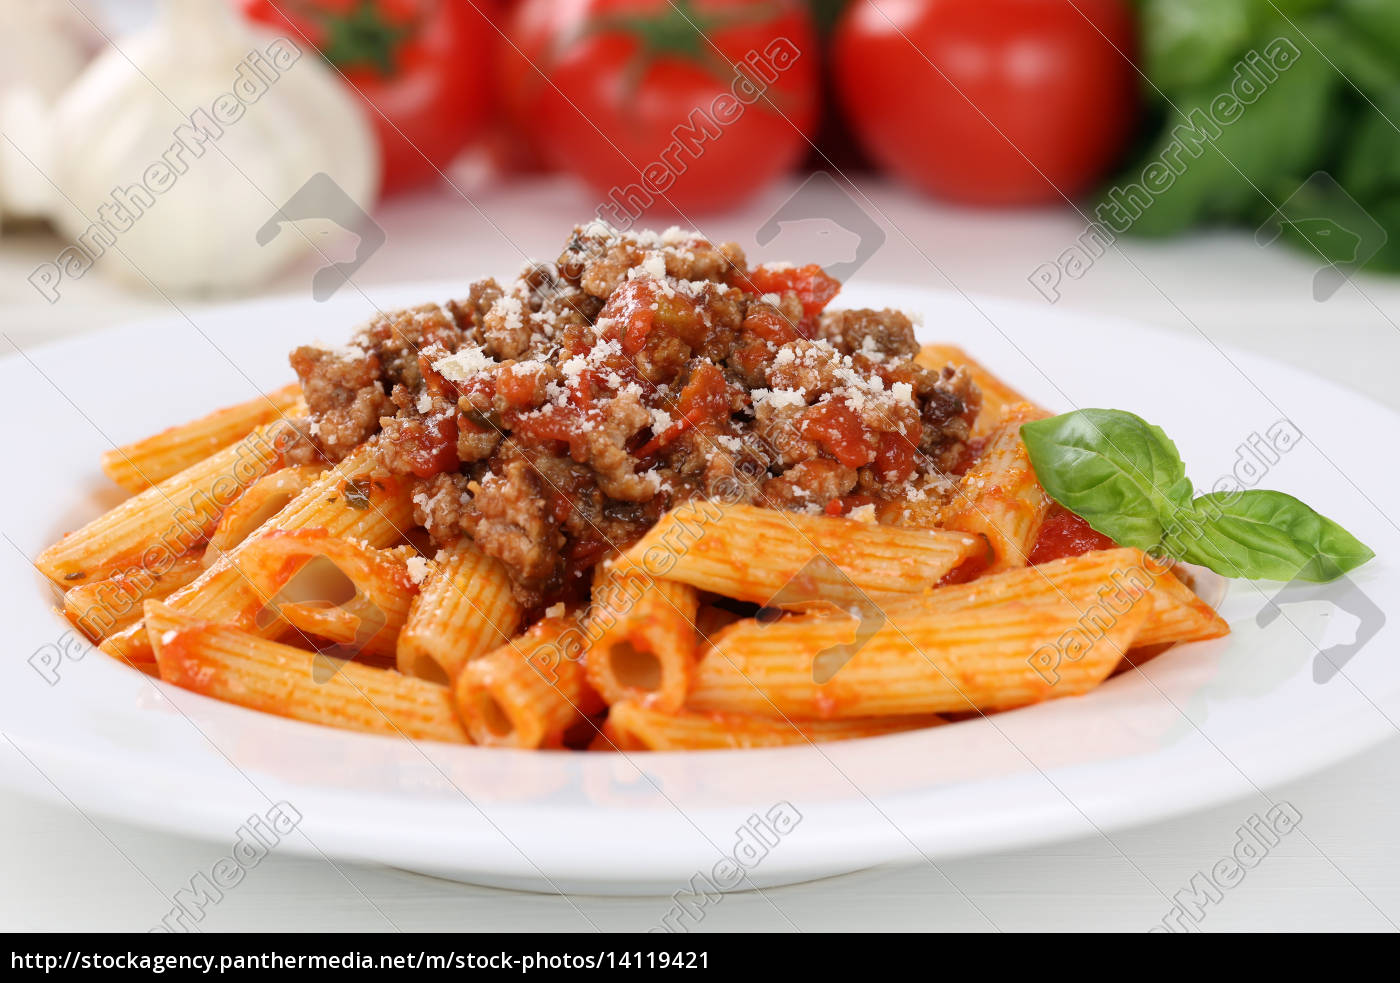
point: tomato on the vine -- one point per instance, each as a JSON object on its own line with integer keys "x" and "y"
{"x": 422, "y": 67}
{"x": 990, "y": 102}
{"x": 664, "y": 105}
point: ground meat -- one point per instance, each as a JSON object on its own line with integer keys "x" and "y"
{"x": 442, "y": 505}
{"x": 598, "y": 260}
{"x": 293, "y": 439}
{"x": 700, "y": 259}
{"x": 470, "y": 314}
{"x": 396, "y": 339}
{"x": 555, "y": 300}
{"x": 605, "y": 449}
{"x": 593, "y": 520}
{"x": 885, "y": 332}
{"x": 476, "y": 440}
{"x": 810, "y": 484}
{"x": 809, "y": 367}
{"x": 507, "y": 327}
{"x": 419, "y": 444}
{"x": 778, "y": 427}
{"x": 517, "y": 528}
{"x": 731, "y": 478}
{"x": 555, "y": 419}
{"x": 604, "y": 269}
{"x": 950, "y": 402}
{"x": 721, "y": 310}
{"x": 343, "y": 391}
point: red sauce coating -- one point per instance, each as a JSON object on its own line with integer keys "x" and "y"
{"x": 811, "y": 284}
{"x": 703, "y": 403}
{"x": 895, "y": 460}
{"x": 837, "y": 428}
{"x": 970, "y": 569}
{"x": 1065, "y": 534}
{"x": 429, "y": 444}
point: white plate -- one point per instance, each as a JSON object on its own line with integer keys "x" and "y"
{"x": 1202, "y": 724}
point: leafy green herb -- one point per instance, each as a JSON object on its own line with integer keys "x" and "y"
{"x": 357, "y": 493}
{"x": 1259, "y": 534}
{"x": 1125, "y": 478}
{"x": 1276, "y": 126}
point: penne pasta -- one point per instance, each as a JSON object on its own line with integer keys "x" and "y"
{"x": 1095, "y": 585}
{"x": 464, "y": 609}
{"x": 130, "y": 645}
{"x": 107, "y": 606}
{"x": 645, "y": 637}
{"x": 1000, "y": 497}
{"x": 168, "y": 519}
{"x": 524, "y": 694}
{"x": 915, "y": 662}
{"x": 634, "y": 727}
{"x": 997, "y": 396}
{"x": 347, "y": 502}
{"x": 804, "y": 558}
{"x": 262, "y": 500}
{"x": 342, "y": 591}
{"x": 253, "y": 672}
{"x": 138, "y": 465}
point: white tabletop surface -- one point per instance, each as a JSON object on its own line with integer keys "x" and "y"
{"x": 65, "y": 871}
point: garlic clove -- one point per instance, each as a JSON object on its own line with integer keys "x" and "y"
{"x": 176, "y": 147}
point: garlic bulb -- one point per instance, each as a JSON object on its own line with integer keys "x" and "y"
{"x": 44, "y": 44}
{"x": 176, "y": 150}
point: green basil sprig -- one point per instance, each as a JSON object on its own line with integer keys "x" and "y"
{"x": 1126, "y": 479}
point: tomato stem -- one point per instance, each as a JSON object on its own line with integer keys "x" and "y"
{"x": 364, "y": 37}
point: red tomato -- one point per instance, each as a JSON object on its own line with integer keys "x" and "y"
{"x": 643, "y": 101}
{"x": 1065, "y": 534}
{"x": 990, "y": 102}
{"x": 423, "y": 68}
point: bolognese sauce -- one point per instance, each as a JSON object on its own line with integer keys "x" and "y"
{"x": 555, "y": 418}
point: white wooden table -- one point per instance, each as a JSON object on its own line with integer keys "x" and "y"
{"x": 63, "y": 874}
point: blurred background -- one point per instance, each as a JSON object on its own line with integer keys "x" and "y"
{"x": 1224, "y": 167}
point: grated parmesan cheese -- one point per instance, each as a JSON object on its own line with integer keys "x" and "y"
{"x": 463, "y": 364}
{"x": 653, "y": 265}
{"x": 862, "y": 513}
{"x": 787, "y": 397}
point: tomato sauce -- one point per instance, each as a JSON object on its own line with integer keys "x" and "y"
{"x": 1065, "y": 534}
{"x": 772, "y": 327}
{"x": 837, "y": 428}
{"x": 895, "y": 460}
{"x": 429, "y": 445}
{"x": 811, "y": 284}
{"x": 970, "y": 569}
{"x": 703, "y": 403}
{"x": 630, "y": 311}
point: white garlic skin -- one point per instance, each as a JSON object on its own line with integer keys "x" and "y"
{"x": 116, "y": 127}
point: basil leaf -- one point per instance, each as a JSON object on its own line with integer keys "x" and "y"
{"x": 1113, "y": 469}
{"x": 1125, "y": 478}
{"x": 1259, "y": 534}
